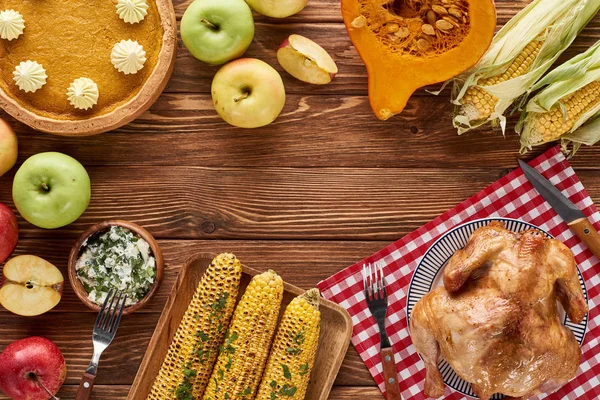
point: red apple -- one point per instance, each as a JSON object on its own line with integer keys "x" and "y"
{"x": 8, "y": 147}
{"x": 9, "y": 232}
{"x": 30, "y": 286}
{"x": 32, "y": 369}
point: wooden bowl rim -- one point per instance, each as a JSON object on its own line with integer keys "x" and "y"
{"x": 123, "y": 114}
{"x": 101, "y": 227}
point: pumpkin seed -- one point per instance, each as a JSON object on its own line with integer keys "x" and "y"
{"x": 423, "y": 44}
{"x": 451, "y": 20}
{"x": 403, "y": 32}
{"x": 359, "y": 22}
{"x": 444, "y": 25}
{"x": 439, "y": 9}
{"x": 455, "y": 12}
{"x": 392, "y": 28}
{"x": 431, "y": 17}
{"x": 428, "y": 29}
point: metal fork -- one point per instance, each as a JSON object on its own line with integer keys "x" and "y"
{"x": 105, "y": 330}
{"x": 377, "y": 300}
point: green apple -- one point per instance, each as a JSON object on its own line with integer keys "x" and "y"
{"x": 8, "y": 147}
{"x": 248, "y": 93}
{"x": 278, "y": 8}
{"x": 217, "y": 31}
{"x": 51, "y": 190}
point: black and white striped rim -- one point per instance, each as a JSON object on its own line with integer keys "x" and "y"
{"x": 434, "y": 261}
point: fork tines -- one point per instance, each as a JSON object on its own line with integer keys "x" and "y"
{"x": 374, "y": 281}
{"x": 109, "y": 317}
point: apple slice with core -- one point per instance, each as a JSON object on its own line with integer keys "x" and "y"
{"x": 305, "y": 60}
{"x": 32, "y": 369}
{"x": 30, "y": 286}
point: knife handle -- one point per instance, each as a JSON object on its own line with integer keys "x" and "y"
{"x": 588, "y": 234}
{"x": 390, "y": 374}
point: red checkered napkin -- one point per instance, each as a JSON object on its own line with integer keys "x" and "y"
{"x": 511, "y": 197}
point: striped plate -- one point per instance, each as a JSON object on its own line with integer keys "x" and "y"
{"x": 427, "y": 276}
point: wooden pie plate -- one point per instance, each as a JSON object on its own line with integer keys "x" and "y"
{"x": 336, "y": 329}
{"x": 123, "y": 114}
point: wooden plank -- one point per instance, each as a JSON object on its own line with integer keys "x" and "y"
{"x": 119, "y": 392}
{"x": 329, "y": 11}
{"x": 191, "y": 75}
{"x": 183, "y": 129}
{"x": 275, "y": 203}
{"x": 300, "y": 263}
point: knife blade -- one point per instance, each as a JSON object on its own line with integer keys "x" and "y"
{"x": 564, "y": 207}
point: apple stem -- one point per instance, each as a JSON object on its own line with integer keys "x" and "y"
{"x": 39, "y": 382}
{"x": 45, "y": 186}
{"x": 210, "y": 24}
{"x": 237, "y": 99}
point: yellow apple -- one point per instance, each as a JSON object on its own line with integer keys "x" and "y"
{"x": 248, "y": 93}
{"x": 8, "y": 147}
{"x": 278, "y": 8}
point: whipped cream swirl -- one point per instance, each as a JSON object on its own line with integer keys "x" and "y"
{"x": 12, "y": 24}
{"x": 83, "y": 93}
{"x": 132, "y": 11}
{"x": 128, "y": 56}
{"x": 30, "y": 76}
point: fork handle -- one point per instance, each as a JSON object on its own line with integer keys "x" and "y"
{"x": 390, "y": 374}
{"x": 85, "y": 387}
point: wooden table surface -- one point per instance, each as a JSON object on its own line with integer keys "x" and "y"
{"x": 322, "y": 187}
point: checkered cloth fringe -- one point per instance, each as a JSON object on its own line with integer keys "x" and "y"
{"x": 512, "y": 197}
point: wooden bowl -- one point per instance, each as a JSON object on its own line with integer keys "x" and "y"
{"x": 97, "y": 230}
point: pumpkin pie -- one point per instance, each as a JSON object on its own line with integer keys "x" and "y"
{"x": 79, "y": 67}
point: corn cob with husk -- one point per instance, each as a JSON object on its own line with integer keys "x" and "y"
{"x": 294, "y": 349}
{"x": 189, "y": 361}
{"x": 521, "y": 52}
{"x": 568, "y": 108}
{"x": 243, "y": 354}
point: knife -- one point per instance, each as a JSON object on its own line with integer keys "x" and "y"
{"x": 565, "y": 208}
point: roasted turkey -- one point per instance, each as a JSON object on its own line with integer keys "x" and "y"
{"x": 496, "y": 319}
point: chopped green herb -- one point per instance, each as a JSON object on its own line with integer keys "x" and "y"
{"x": 273, "y": 384}
{"x": 286, "y": 372}
{"x": 287, "y": 390}
{"x": 303, "y": 370}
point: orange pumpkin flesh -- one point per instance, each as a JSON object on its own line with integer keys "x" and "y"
{"x": 405, "y": 47}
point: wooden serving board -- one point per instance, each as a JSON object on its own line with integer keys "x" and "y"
{"x": 336, "y": 329}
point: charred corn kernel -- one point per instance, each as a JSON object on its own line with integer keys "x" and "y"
{"x": 189, "y": 362}
{"x": 243, "y": 354}
{"x": 294, "y": 349}
{"x": 478, "y": 103}
{"x": 550, "y": 126}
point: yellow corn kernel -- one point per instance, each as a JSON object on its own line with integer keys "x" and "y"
{"x": 478, "y": 104}
{"x": 293, "y": 353}
{"x": 243, "y": 354}
{"x": 189, "y": 361}
{"x": 551, "y": 125}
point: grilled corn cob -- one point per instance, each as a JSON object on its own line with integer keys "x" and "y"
{"x": 188, "y": 365}
{"x": 570, "y": 99}
{"x": 243, "y": 354}
{"x": 521, "y": 52}
{"x": 293, "y": 353}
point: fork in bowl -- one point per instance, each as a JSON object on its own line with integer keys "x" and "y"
{"x": 105, "y": 330}
{"x": 377, "y": 300}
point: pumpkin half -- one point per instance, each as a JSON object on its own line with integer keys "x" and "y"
{"x": 408, "y": 44}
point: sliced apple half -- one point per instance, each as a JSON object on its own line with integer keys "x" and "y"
{"x": 30, "y": 286}
{"x": 305, "y": 60}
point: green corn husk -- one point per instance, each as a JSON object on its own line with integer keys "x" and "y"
{"x": 554, "y": 22}
{"x": 558, "y": 84}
